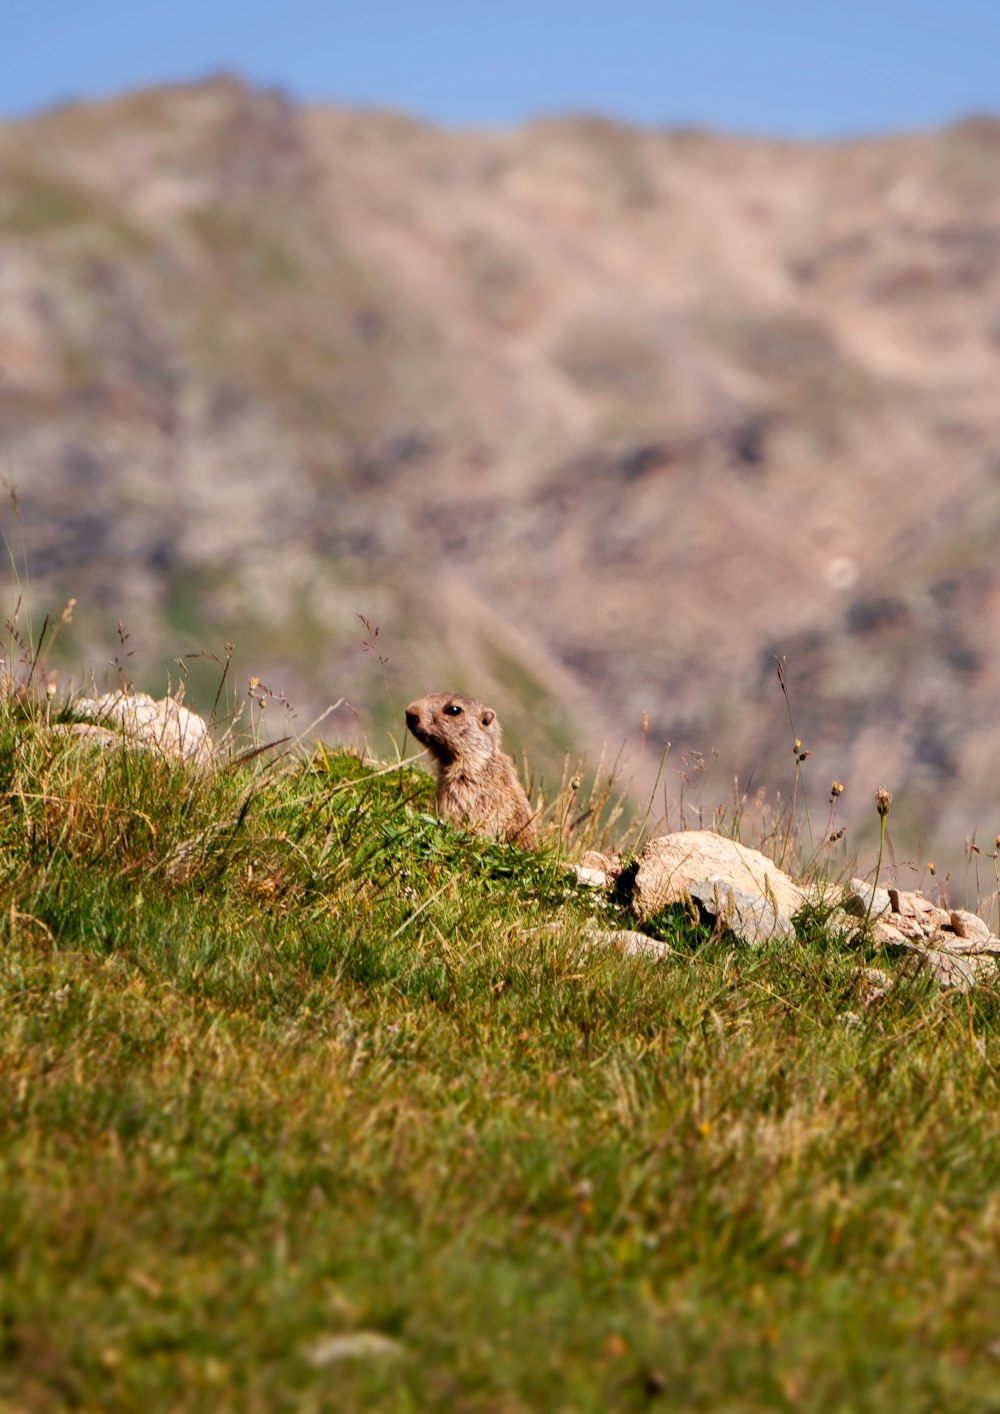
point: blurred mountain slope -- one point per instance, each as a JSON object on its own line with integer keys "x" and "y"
{"x": 589, "y": 420}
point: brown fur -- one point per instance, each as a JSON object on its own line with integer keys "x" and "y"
{"x": 477, "y": 783}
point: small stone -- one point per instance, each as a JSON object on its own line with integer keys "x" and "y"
{"x": 354, "y": 1345}
{"x": 876, "y": 977}
{"x": 166, "y": 725}
{"x": 748, "y": 916}
{"x": 873, "y": 985}
{"x": 945, "y": 968}
{"x": 609, "y": 864}
{"x": 630, "y": 943}
{"x": 910, "y": 928}
{"x": 887, "y": 934}
{"x": 969, "y": 925}
{"x": 862, "y": 896}
{"x": 910, "y": 903}
{"x": 973, "y": 947}
{"x": 823, "y": 893}
{"x": 593, "y": 878}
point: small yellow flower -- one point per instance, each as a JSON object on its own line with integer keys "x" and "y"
{"x": 836, "y": 788}
{"x": 705, "y": 1128}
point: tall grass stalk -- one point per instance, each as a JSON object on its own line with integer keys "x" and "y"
{"x": 883, "y": 800}
{"x": 800, "y": 754}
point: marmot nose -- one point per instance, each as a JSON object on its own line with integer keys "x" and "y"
{"x": 412, "y": 718}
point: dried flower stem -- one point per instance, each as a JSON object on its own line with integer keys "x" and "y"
{"x": 883, "y": 800}
{"x": 800, "y": 756}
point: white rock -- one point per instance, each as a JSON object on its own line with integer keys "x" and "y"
{"x": 969, "y": 925}
{"x": 668, "y": 864}
{"x": 863, "y": 900}
{"x": 910, "y": 903}
{"x": 744, "y": 913}
{"x": 165, "y": 724}
{"x": 607, "y": 863}
{"x": 593, "y": 878}
{"x": 951, "y": 971}
{"x": 630, "y": 943}
{"x": 353, "y": 1345}
{"x": 887, "y": 934}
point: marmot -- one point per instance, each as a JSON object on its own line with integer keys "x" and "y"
{"x": 477, "y": 783}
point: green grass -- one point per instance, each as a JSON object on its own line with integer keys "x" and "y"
{"x": 282, "y": 1058}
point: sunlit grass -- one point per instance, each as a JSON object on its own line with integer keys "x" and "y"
{"x": 284, "y": 1058}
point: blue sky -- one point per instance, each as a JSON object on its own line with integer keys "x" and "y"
{"x": 796, "y": 68}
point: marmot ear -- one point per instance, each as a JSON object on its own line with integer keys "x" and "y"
{"x": 487, "y": 717}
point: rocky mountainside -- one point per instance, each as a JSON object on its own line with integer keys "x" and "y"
{"x": 594, "y": 422}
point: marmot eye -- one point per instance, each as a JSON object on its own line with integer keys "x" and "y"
{"x": 452, "y": 710}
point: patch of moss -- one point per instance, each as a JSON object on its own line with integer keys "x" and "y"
{"x": 39, "y": 203}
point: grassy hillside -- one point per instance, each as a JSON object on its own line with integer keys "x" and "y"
{"x": 310, "y": 1102}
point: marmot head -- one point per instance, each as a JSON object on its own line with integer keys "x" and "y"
{"x": 452, "y": 726}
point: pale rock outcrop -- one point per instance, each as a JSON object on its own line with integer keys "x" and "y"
{"x": 165, "y": 725}
{"x": 953, "y": 945}
{"x": 749, "y": 896}
{"x": 728, "y": 880}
